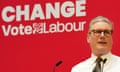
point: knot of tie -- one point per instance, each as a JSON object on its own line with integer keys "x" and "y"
{"x": 98, "y": 65}
{"x": 98, "y": 60}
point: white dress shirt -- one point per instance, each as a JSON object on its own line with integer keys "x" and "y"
{"x": 111, "y": 65}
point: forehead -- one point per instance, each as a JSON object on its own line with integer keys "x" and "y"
{"x": 101, "y": 25}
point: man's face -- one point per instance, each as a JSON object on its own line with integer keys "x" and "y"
{"x": 100, "y": 38}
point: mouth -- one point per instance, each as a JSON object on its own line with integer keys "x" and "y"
{"x": 102, "y": 42}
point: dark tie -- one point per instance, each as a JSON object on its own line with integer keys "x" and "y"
{"x": 98, "y": 65}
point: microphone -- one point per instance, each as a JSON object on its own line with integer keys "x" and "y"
{"x": 56, "y": 65}
{"x": 104, "y": 61}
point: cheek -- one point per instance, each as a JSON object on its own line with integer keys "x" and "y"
{"x": 92, "y": 41}
{"x": 110, "y": 42}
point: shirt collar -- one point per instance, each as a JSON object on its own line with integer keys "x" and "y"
{"x": 106, "y": 56}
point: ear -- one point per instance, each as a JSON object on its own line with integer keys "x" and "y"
{"x": 88, "y": 38}
{"x": 112, "y": 41}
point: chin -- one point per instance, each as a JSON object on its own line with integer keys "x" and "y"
{"x": 101, "y": 53}
{"x": 101, "y": 47}
{"x": 101, "y": 50}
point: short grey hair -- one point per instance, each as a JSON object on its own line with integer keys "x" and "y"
{"x": 100, "y": 19}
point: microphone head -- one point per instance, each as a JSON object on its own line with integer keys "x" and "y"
{"x": 58, "y": 63}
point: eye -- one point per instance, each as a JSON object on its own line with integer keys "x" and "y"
{"x": 108, "y": 32}
{"x": 98, "y": 31}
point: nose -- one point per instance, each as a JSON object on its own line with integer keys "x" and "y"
{"x": 102, "y": 34}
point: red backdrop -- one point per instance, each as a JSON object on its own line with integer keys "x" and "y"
{"x": 40, "y": 52}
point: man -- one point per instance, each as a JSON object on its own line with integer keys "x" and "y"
{"x": 100, "y": 39}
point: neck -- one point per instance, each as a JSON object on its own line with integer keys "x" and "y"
{"x": 99, "y": 55}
